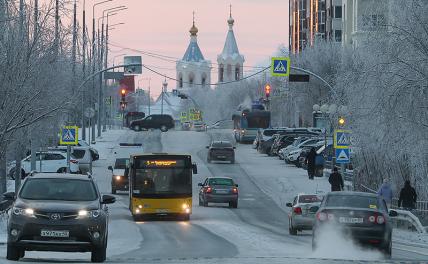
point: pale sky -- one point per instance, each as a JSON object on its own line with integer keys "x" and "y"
{"x": 162, "y": 26}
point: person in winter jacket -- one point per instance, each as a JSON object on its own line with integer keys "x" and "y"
{"x": 408, "y": 196}
{"x": 310, "y": 161}
{"x": 336, "y": 180}
{"x": 385, "y": 192}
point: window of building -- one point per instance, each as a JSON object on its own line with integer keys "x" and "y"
{"x": 338, "y": 35}
{"x": 338, "y": 12}
{"x": 191, "y": 77}
{"x": 221, "y": 73}
{"x": 180, "y": 81}
{"x": 237, "y": 72}
{"x": 203, "y": 81}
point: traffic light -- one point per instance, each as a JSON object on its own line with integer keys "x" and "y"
{"x": 123, "y": 94}
{"x": 267, "y": 90}
{"x": 342, "y": 121}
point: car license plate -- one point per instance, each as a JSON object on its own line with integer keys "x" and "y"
{"x": 162, "y": 210}
{"x": 54, "y": 233}
{"x": 350, "y": 220}
{"x": 221, "y": 157}
{"x": 221, "y": 191}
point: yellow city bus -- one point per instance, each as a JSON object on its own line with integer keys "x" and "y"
{"x": 161, "y": 185}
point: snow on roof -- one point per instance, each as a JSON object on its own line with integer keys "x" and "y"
{"x": 230, "y": 48}
{"x": 193, "y": 52}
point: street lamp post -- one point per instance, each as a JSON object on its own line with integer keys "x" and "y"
{"x": 93, "y": 61}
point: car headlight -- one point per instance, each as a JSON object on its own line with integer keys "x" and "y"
{"x": 26, "y": 212}
{"x": 89, "y": 214}
{"x": 117, "y": 177}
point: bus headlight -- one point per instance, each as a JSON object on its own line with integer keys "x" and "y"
{"x": 185, "y": 206}
{"x": 137, "y": 211}
{"x": 187, "y": 210}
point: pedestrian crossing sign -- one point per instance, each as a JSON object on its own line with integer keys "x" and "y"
{"x": 342, "y": 156}
{"x": 69, "y": 135}
{"x": 342, "y": 139}
{"x": 280, "y": 66}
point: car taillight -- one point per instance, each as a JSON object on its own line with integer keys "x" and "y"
{"x": 235, "y": 190}
{"x": 74, "y": 161}
{"x": 208, "y": 190}
{"x": 380, "y": 220}
{"x": 297, "y": 210}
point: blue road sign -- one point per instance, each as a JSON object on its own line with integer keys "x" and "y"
{"x": 342, "y": 139}
{"x": 280, "y": 66}
{"x": 342, "y": 156}
{"x": 69, "y": 135}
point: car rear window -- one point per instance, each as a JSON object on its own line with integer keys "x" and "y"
{"x": 120, "y": 164}
{"x": 58, "y": 189}
{"x": 221, "y": 181}
{"x": 354, "y": 201}
{"x": 79, "y": 153}
{"x": 309, "y": 199}
{"x": 222, "y": 145}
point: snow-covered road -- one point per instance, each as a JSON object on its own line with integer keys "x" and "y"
{"x": 256, "y": 232}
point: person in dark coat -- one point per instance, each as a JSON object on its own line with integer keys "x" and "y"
{"x": 336, "y": 180}
{"x": 310, "y": 161}
{"x": 408, "y": 196}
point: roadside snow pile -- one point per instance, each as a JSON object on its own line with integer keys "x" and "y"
{"x": 3, "y": 228}
{"x": 412, "y": 237}
{"x": 10, "y": 186}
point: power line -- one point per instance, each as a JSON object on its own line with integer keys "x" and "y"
{"x": 209, "y": 84}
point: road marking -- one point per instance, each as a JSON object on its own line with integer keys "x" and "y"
{"x": 247, "y": 199}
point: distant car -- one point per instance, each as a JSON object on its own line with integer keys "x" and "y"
{"x": 199, "y": 126}
{"x": 94, "y": 152}
{"x": 362, "y": 216}
{"x": 119, "y": 177}
{"x": 221, "y": 150}
{"x": 185, "y": 126}
{"x": 301, "y": 217}
{"x": 281, "y": 142}
{"x": 51, "y": 161}
{"x": 162, "y": 122}
{"x": 265, "y": 146}
{"x": 58, "y": 212}
{"x": 218, "y": 190}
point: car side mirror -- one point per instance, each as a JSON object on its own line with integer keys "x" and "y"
{"x": 200, "y": 184}
{"x": 207, "y": 147}
{"x": 236, "y": 185}
{"x": 9, "y": 196}
{"x": 314, "y": 209}
{"x": 289, "y": 204}
{"x": 110, "y": 168}
{"x": 234, "y": 147}
{"x": 108, "y": 199}
{"x": 195, "y": 168}
{"x": 393, "y": 213}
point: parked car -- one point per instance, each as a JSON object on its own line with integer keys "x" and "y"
{"x": 218, "y": 190}
{"x": 82, "y": 154}
{"x": 265, "y": 134}
{"x": 58, "y": 212}
{"x": 301, "y": 217}
{"x": 281, "y": 142}
{"x": 309, "y": 141}
{"x": 94, "y": 152}
{"x": 51, "y": 161}
{"x": 199, "y": 126}
{"x": 363, "y": 216}
{"x": 162, "y": 122}
{"x": 221, "y": 150}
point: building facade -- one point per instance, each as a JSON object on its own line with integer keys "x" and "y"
{"x": 193, "y": 70}
{"x": 230, "y": 61}
{"x": 314, "y": 19}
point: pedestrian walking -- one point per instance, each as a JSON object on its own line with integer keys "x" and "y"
{"x": 385, "y": 192}
{"x": 408, "y": 197}
{"x": 336, "y": 181}
{"x": 310, "y": 161}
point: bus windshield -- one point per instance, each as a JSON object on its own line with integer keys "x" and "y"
{"x": 162, "y": 178}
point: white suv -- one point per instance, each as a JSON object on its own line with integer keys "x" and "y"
{"x": 50, "y": 161}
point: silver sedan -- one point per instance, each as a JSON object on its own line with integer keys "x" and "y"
{"x": 302, "y": 214}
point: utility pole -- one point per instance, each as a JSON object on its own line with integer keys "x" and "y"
{"x": 74, "y": 42}
{"x": 84, "y": 71}
{"x": 56, "y": 27}
{"x": 93, "y": 67}
{"x": 164, "y": 88}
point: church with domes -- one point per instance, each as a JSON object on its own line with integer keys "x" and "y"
{"x": 193, "y": 70}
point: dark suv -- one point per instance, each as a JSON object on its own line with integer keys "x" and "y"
{"x": 162, "y": 122}
{"x": 221, "y": 150}
{"x": 58, "y": 212}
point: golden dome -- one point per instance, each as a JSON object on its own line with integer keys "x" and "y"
{"x": 194, "y": 30}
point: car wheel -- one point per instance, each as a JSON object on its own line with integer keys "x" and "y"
{"x": 233, "y": 204}
{"x": 292, "y": 230}
{"x": 13, "y": 253}
{"x": 163, "y": 128}
{"x": 98, "y": 254}
{"x": 205, "y": 203}
{"x": 113, "y": 190}
{"x": 200, "y": 202}
{"x": 62, "y": 170}
{"x": 387, "y": 251}
{"x": 22, "y": 253}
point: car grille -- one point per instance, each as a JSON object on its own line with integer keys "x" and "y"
{"x": 56, "y": 216}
